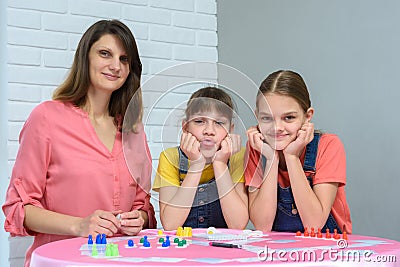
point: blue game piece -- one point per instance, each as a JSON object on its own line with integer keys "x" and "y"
{"x": 165, "y": 244}
{"x": 98, "y": 239}
{"x": 146, "y": 244}
{"x": 130, "y": 243}
{"x": 168, "y": 242}
{"x": 103, "y": 239}
{"x": 90, "y": 240}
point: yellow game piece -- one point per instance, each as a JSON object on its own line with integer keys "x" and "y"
{"x": 211, "y": 230}
{"x": 179, "y": 231}
{"x": 190, "y": 232}
{"x": 160, "y": 232}
{"x": 187, "y": 231}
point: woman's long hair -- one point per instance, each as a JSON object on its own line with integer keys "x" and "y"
{"x": 74, "y": 89}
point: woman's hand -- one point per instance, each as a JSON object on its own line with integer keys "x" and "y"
{"x": 131, "y": 222}
{"x": 99, "y": 222}
{"x": 229, "y": 146}
{"x": 256, "y": 141}
{"x": 304, "y": 136}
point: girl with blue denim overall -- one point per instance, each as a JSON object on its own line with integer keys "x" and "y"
{"x": 201, "y": 183}
{"x": 287, "y": 219}
{"x": 282, "y": 195}
{"x": 206, "y": 208}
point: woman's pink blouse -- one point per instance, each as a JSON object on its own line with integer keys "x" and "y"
{"x": 63, "y": 166}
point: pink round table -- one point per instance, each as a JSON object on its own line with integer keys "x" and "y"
{"x": 271, "y": 248}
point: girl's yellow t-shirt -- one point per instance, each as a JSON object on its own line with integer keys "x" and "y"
{"x": 168, "y": 169}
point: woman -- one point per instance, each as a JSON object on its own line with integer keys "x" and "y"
{"x": 70, "y": 176}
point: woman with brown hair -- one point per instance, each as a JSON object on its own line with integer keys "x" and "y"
{"x": 70, "y": 176}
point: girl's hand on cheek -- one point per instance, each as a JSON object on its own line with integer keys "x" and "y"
{"x": 229, "y": 146}
{"x": 257, "y": 141}
{"x": 304, "y": 136}
{"x": 191, "y": 147}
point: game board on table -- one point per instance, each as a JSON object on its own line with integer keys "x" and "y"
{"x": 246, "y": 248}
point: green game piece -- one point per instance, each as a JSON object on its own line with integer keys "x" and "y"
{"x": 141, "y": 240}
{"x": 176, "y": 240}
{"x": 180, "y": 244}
{"x": 184, "y": 241}
{"x": 161, "y": 240}
{"x": 94, "y": 250}
{"x": 108, "y": 250}
{"x": 114, "y": 250}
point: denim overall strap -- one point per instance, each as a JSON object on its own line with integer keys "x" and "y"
{"x": 287, "y": 218}
{"x": 206, "y": 208}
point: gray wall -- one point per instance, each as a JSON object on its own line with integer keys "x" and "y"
{"x": 348, "y": 53}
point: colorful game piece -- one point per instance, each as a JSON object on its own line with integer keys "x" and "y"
{"x": 159, "y": 232}
{"x": 146, "y": 244}
{"x": 211, "y": 230}
{"x": 141, "y": 240}
{"x": 114, "y": 250}
{"x": 98, "y": 239}
{"x": 165, "y": 245}
{"x": 94, "y": 250}
{"x": 306, "y": 232}
{"x": 161, "y": 240}
{"x": 176, "y": 240}
{"x": 319, "y": 234}
{"x": 103, "y": 239}
{"x": 298, "y": 233}
{"x": 179, "y": 231}
{"x": 108, "y": 250}
{"x": 131, "y": 243}
{"x": 187, "y": 231}
{"x": 327, "y": 235}
{"x": 344, "y": 235}
{"x": 168, "y": 241}
{"x": 90, "y": 240}
{"x": 312, "y": 233}
{"x": 335, "y": 234}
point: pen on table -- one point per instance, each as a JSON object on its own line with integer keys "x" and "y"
{"x": 225, "y": 245}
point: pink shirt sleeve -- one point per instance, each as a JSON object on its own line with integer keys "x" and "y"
{"x": 331, "y": 161}
{"x": 28, "y": 180}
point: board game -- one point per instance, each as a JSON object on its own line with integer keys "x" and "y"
{"x": 222, "y": 247}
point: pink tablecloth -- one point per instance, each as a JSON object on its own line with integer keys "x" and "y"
{"x": 271, "y": 248}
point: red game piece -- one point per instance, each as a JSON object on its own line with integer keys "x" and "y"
{"x": 327, "y": 235}
{"x": 306, "y": 232}
{"x": 319, "y": 234}
{"x": 298, "y": 233}
{"x": 335, "y": 234}
{"x": 312, "y": 234}
{"x": 344, "y": 235}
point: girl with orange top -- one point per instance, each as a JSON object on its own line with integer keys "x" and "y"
{"x": 295, "y": 175}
